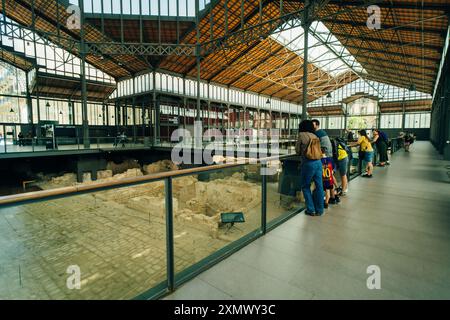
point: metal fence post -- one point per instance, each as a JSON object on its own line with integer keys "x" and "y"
{"x": 169, "y": 235}
{"x": 264, "y": 198}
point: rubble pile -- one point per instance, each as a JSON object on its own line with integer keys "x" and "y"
{"x": 160, "y": 166}
{"x": 117, "y": 168}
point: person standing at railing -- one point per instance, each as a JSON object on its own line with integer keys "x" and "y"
{"x": 382, "y": 146}
{"x": 408, "y": 141}
{"x": 342, "y": 155}
{"x": 349, "y": 135}
{"x": 366, "y": 151}
{"x": 308, "y": 148}
{"x": 20, "y": 138}
{"x": 121, "y": 139}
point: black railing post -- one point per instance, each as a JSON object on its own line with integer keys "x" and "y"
{"x": 360, "y": 162}
{"x": 264, "y": 198}
{"x": 169, "y": 235}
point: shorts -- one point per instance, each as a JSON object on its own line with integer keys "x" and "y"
{"x": 343, "y": 166}
{"x": 368, "y": 156}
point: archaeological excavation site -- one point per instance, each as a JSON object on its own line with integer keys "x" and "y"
{"x": 118, "y": 237}
{"x": 224, "y": 150}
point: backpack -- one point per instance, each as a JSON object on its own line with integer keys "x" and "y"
{"x": 313, "y": 151}
{"x": 339, "y": 142}
{"x": 334, "y": 145}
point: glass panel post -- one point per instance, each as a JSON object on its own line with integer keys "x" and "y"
{"x": 264, "y": 199}
{"x": 169, "y": 235}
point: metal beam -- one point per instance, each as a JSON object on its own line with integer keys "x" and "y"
{"x": 250, "y": 45}
{"x": 428, "y": 5}
{"x": 390, "y": 42}
{"x": 403, "y": 55}
{"x": 386, "y": 27}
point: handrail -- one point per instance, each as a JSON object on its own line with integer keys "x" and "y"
{"x": 100, "y": 186}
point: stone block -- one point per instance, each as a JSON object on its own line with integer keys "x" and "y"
{"x": 65, "y": 180}
{"x": 160, "y": 166}
{"x": 130, "y": 173}
{"x": 87, "y": 177}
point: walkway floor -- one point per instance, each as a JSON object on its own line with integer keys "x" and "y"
{"x": 399, "y": 220}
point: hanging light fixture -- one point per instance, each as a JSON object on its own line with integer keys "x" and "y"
{"x": 412, "y": 87}
{"x": 60, "y": 113}
{"x": 12, "y": 110}
{"x": 48, "y": 104}
{"x": 268, "y": 101}
{"x": 328, "y": 95}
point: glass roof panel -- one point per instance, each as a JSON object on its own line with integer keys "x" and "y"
{"x": 325, "y": 50}
{"x": 50, "y": 57}
{"x": 384, "y": 92}
{"x": 170, "y": 8}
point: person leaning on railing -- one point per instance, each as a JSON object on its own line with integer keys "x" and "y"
{"x": 366, "y": 152}
{"x": 308, "y": 148}
{"x": 382, "y": 146}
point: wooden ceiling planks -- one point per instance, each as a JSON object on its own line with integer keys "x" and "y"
{"x": 408, "y": 47}
{"x": 407, "y": 50}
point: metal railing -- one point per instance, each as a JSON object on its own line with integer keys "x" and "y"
{"x": 396, "y": 144}
{"x": 286, "y": 144}
{"x": 48, "y": 204}
{"x": 67, "y": 143}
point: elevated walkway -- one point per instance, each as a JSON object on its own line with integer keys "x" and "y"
{"x": 398, "y": 221}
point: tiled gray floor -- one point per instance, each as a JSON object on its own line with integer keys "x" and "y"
{"x": 399, "y": 220}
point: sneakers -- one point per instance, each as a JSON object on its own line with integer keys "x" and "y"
{"x": 333, "y": 201}
{"x": 344, "y": 192}
{"x": 366, "y": 176}
{"x": 325, "y": 205}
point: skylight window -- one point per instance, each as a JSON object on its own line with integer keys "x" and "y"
{"x": 171, "y": 8}
{"x": 325, "y": 50}
{"x": 384, "y": 92}
{"x": 49, "y": 57}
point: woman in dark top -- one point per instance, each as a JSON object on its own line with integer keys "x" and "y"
{"x": 382, "y": 148}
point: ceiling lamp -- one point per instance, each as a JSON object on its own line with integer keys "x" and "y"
{"x": 328, "y": 95}
{"x": 48, "y": 105}
{"x": 60, "y": 112}
{"x": 12, "y": 110}
{"x": 412, "y": 87}
{"x": 268, "y": 101}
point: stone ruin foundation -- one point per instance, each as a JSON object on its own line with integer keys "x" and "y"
{"x": 117, "y": 236}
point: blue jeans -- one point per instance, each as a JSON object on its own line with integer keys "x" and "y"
{"x": 311, "y": 170}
